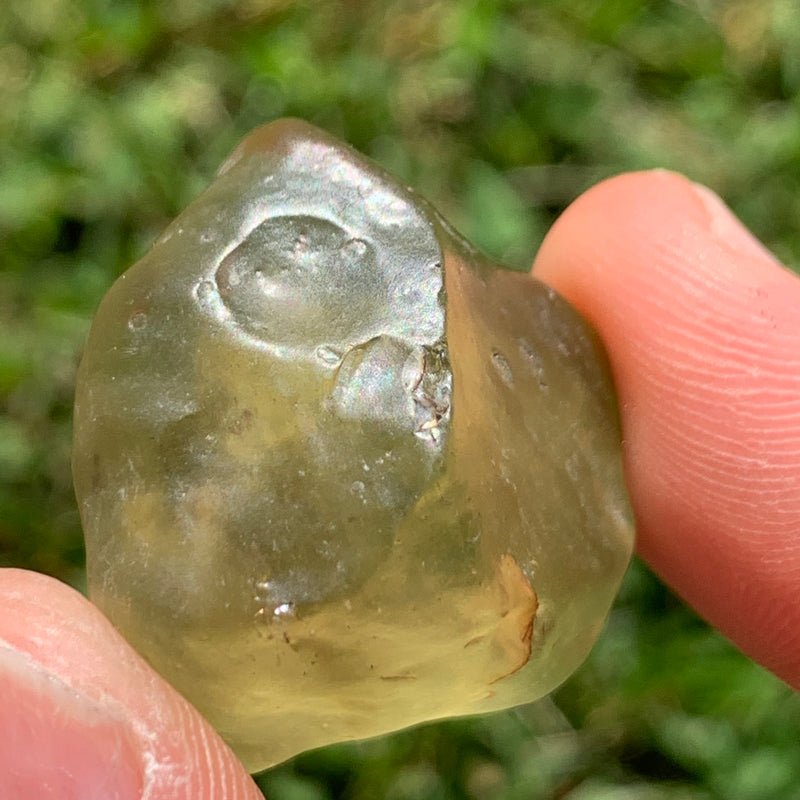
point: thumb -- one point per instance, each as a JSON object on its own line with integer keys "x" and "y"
{"x": 84, "y": 717}
{"x": 703, "y": 332}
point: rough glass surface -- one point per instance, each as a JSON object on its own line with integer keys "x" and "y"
{"x": 339, "y": 473}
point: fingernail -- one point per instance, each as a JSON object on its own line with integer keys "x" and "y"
{"x": 726, "y": 227}
{"x": 55, "y": 742}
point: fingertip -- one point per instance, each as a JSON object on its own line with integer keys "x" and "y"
{"x": 92, "y": 711}
{"x": 56, "y": 743}
{"x": 645, "y": 234}
{"x": 702, "y": 326}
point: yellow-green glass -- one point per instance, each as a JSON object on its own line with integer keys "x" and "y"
{"x": 338, "y": 473}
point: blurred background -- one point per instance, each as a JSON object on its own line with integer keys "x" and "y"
{"x": 114, "y": 114}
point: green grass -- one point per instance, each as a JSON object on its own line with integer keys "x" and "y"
{"x": 115, "y": 114}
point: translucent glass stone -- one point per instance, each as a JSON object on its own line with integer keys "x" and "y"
{"x": 338, "y": 473}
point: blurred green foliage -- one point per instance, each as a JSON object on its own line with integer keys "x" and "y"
{"x": 115, "y": 114}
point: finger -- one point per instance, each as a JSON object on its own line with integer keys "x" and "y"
{"x": 703, "y": 332}
{"x": 83, "y": 716}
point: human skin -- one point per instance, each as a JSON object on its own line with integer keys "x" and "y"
{"x": 702, "y": 326}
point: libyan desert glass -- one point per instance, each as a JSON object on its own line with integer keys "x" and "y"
{"x": 338, "y": 473}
